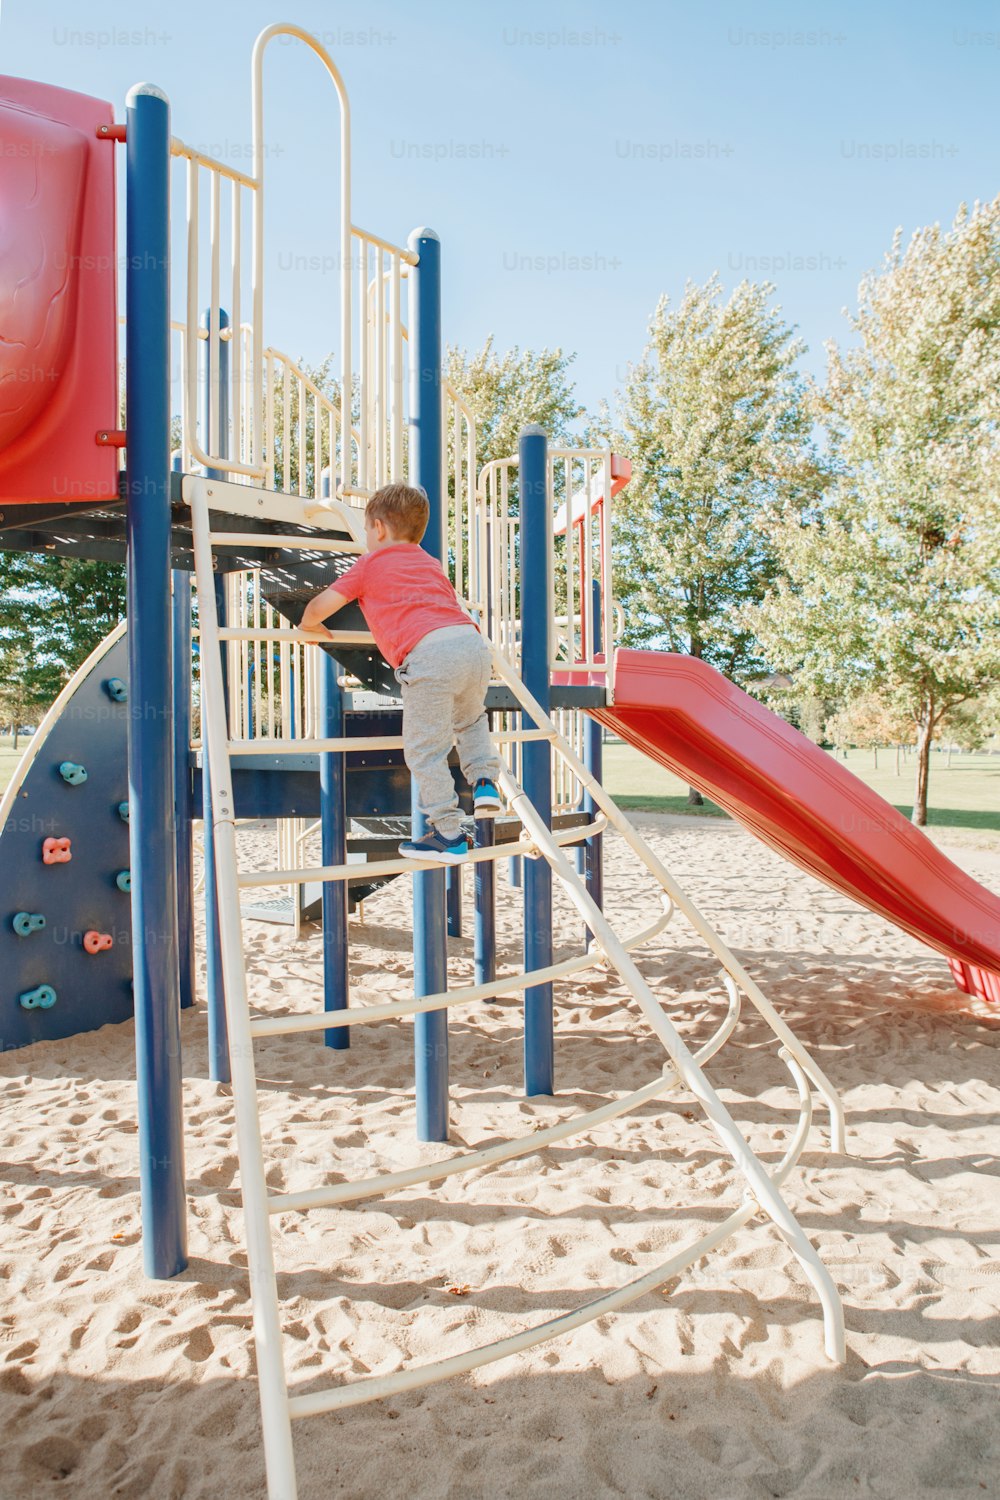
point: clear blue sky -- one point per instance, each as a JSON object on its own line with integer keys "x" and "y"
{"x": 631, "y": 147}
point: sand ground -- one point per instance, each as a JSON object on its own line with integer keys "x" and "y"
{"x": 715, "y": 1385}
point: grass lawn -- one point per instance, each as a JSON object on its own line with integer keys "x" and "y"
{"x": 8, "y": 758}
{"x": 965, "y": 796}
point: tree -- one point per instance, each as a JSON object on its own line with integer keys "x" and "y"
{"x": 870, "y": 722}
{"x": 56, "y": 610}
{"x": 892, "y": 580}
{"x": 505, "y": 392}
{"x": 714, "y": 420}
{"x": 27, "y": 687}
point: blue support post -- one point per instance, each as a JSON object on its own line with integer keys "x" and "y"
{"x": 156, "y": 983}
{"x": 215, "y": 428}
{"x": 453, "y": 899}
{"x": 430, "y": 953}
{"x": 485, "y": 933}
{"x": 536, "y": 574}
{"x": 593, "y": 759}
{"x": 183, "y": 791}
{"x": 333, "y": 837}
{"x": 514, "y": 872}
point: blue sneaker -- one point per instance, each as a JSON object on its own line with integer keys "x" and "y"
{"x": 433, "y": 846}
{"x": 485, "y": 798}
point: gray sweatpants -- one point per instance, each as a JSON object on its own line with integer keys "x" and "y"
{"x": 444, "y": 681}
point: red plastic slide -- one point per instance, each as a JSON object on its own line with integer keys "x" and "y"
{"x": 797, "y": 798}
{"x": 59, "y": 329}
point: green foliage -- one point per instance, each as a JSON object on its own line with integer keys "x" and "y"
{"x": 714, "y": 421}
{"x": 54, "y": 611}
{"x": 507, "y": 391}
{"x": 870, "y": 722}
{"x": 892, "y": 580}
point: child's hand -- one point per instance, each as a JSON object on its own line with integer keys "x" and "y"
{"x": 318, "y": 632}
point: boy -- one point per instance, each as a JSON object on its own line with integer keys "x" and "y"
{"x": 441, "y": 662}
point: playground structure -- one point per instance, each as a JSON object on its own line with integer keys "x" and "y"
{"x": 263, "y": 507}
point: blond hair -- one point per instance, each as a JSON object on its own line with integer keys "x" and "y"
{"x": 403, "y": 508}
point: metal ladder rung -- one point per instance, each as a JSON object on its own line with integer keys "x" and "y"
{"x": 249, "y": 879}
{"x": 285, "y": 1025}
{"x": 377, "y": 1387}
{"x": 270, "y": 540}
{"x": 469, "y": 1161}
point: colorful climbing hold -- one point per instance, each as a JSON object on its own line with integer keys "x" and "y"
{"x": 56, "y": 852}
{"x": 43, "y": 997}
{"x": 26, "y": 922}
{"x": 73, "y": 774}
{"x": 97, "y": 942}
{"x": 123, "y": 880}
{"x": 116, "y": 689}
{"x": 123, "y": 811}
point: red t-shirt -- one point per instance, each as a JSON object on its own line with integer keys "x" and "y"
{"x": 404, "y": 595}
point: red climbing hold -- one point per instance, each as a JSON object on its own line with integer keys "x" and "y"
{"x": 56, "y": 852}
{"x": 96, "y": 942}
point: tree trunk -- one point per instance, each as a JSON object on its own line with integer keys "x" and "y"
{"x": 875, "y": 753}
{"x": 695, "y": 799}
{"x": 14, "y": 733}
{"x": 898, "y": 748}
{"x": 925, "y": 728}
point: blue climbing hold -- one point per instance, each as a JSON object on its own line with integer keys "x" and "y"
{"x": 41, "y": 998}
{"x": 123, "y": 811}
{"x": 123, "y": 880}
{"x": 27, "y": 922}
{"x": 116, "y": 689}
{"x": 72, "y": 774}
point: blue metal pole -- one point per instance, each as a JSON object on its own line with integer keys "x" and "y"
{"x": 218, "y": 1030}
{"x": 514, "y": 872}
{"x": 333, "y": 837}
{"x": 485, "y": 932}
{"x": 453, "y": 899}
{"x": 593, "y": 759}
{"x": 183, "y": 791}
{"x": 536, "y": 570}
{"x": 153, "y": 850}
{"x": 430, "y": 952}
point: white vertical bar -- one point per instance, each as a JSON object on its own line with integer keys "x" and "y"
{"x": 396, "y": 371}
{"x": 301, "y": 397}
{"x": 452, "y": 435}
{"x": 607, "y": 576}
{"x": 365, "y": 371}
{"x": 380, "y": 373}
{"x": 236, "y": 337}
{"x": 317, "y": 484}
{"x": 272, "y": 685}
{"x": 214, "y": 437}
{"x": 269, "y": 423}
{"x": 587, "y": 576}
{"x": 286, "y": 427}
{"x": 345, "y": 296}
{"x": 284, "y": 688}
{"x": 191, "y": 336}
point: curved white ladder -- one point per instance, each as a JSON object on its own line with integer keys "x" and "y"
{"x": 762, "y": 1188}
